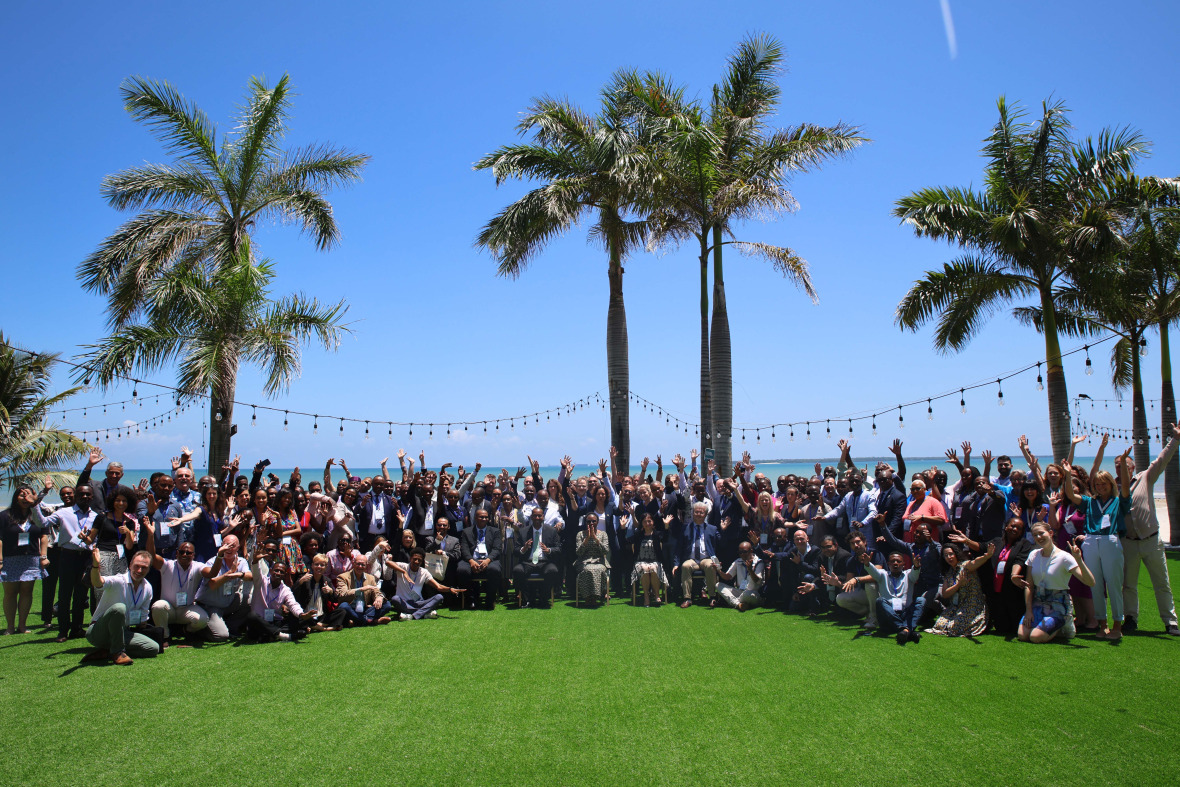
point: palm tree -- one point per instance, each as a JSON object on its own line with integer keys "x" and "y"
{"x": 208, "y": 327}
{"x": 195, "y": 225}
{"x": 31, "y": 447}
{"x": 586, "y": 168}
{"x": 717, "y": 168}
{"x": 1035, "y": 220}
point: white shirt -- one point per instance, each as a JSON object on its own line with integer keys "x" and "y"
{"x": 174, "y": 579}
{"x": 71, "y": 521}
{"x": 411, "y": 588}
{"x": 744, "y": 579}
{"x": 117, "y": 589}
{"x": 1053, "y": 572}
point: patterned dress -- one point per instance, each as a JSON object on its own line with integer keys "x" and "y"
{"x": 291, "y": 552}
{"x": 647, "y": 558}
{"x": 966, "y": 613}
{"x": 592, "y": 564}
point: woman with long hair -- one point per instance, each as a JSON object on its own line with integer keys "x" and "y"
{"x": 23, "y": 545}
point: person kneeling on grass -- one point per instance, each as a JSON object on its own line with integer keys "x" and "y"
{"x": 116, "y": 626}
{"x": 272, "y": 605}
{"x": 739, "y": 585}
{"x": 360, "y": 595}
{"x": 895, "y": 595}
{"x": 1048, "y": 610}
{"x": 412, "y": 579}
{"x": 179, "y": 581}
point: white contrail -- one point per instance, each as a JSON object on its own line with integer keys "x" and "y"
{"x": 949, "y": 24}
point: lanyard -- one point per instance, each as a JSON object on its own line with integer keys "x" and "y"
{"x": 271, "y": 598}
{"x": 136, "y": 597}
{"x": 895, "y": 587}
{"x": 182, "y": 582}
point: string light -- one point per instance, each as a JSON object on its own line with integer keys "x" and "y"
{"x": 999, "y": 392}
{"x": 1089, "y": 366}
{"x": 1040, "y": 382}
{"x": 929, "y": 411}
{"x": 135, "y": 391}
{"x": 900, "y": 419}
{"x": 315, "y": 425}
{"x": 285, "y": 414}
{"x": 874, "y": 426}
{"x": 366, "y": 430}
{"x": 962, "y": 400}
{"x": 254, "y": 417}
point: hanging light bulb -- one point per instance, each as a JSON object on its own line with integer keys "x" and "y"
{"x": 792, "y": 434}
{"x": 999, "y": 392}
{"x": 218, "y": 415}
{"x": 285, "y": 414}
{"x": 962, "y": 401}
{"x": 253, "y": 416}
{"x": 411, "y": 431}
{"x": 849, "y": 426}
{"x": 743, "y": 435}
{"x": 341, "y": 433}
{"x": 1142, "y": 348}
{"x": 430, "y": 436}
{"x": 829, "y": 429}
{"x": 1040, "y": 382}
{"x": 929, "y": 411}
{"x": 389, "y": 426}
{"x": 135, "y": 392}
{"x": 315, "y": 425}
{"x": 773, "y": 439}
{"x": 83, "y": 413}
{"x": 1089, "y": 366}
{"x": 809, "y": 430}
{"x": 366, "y": 430}
{"x": 874, "y": 426}
{"x": 900, "y": 419}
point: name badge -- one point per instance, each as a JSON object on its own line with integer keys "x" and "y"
{"x": 762, "y": 539}
{"x": 359, "y": 605}
{"x": 508, "y": 531}
{"x": 1069, "y": 528}
{"x": 182, "y": 599}
{"x": 22, "y": 539}
{"x": 268, "y": 615}
{"x": 119, "y": 550}
{"x": 898, "y": 604}
{"x": 1106, "y": 521}
{"x": 1000, "y": 567}
{"x": 958, "y": 512}
{"x": 286, "y": 541}
{"x": 134, "y": 617}
{"x": 217, "y": 539}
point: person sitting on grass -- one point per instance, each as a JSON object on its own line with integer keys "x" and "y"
{"x": 273, "y": 606}
{"x": 220, "y": 594}
{"x": 179, "y": 581}
{"x": 698, "y": 551}
{"x": 800, "y": 571}
{"x": 360, "y": 595}
{"x": 115, "y": 628}
{"x": 895, "y": 595}
{"x": 740, "y": 584}
{"x": 412, "y": 580}
{"x": 315, "y": 594}
{"x": 859, "y": 593}
{"x": 964, "y": 611}
{"x": 1048, "y": 610}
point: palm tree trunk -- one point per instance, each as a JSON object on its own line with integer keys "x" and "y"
{"x": 1168, "y": 417}
{"x": 221, "y": 402}
{"x": 1141, "y": 439}
{"x": 618, "y": 378}
{"x": 1058, "y": 395}
{"x": 720, "y": 366}
{"x": 706, "y": 399}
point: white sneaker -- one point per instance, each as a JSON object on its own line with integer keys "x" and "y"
{"x": 404, "y": 616}
{"x": 432, "y": 615}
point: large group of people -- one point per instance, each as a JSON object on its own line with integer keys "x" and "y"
{"x": 1036, "y": 554}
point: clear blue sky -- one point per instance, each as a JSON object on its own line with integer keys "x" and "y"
{"x": 427, "y": 91}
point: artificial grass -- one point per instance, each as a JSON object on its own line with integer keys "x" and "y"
{"x": 598, "y": 696}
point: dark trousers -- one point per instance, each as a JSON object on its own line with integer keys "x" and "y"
{"x": 548, "y": 570}
{"x": 72, "y": 589}
{"x": 367, "y": 616}
{"x": 49, "y": 584}
{"x": 258, "y": 628}
{"x": 471, "y": 580}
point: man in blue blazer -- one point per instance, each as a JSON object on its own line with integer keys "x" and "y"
{"x": 698, "y": 550}
{"x": 377, "y": 515}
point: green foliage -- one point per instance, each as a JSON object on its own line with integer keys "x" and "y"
{"x": 32, "y": 447}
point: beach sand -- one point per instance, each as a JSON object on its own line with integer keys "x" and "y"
{"x": 1161, "y": 513}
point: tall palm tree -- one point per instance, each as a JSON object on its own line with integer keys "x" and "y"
{"x": 30, "y": 446}
{"x": 717, "y": 168}
{"x": 1034, "y": 220}
{"x": 196, "y": 220}
{"x": 208, "y": 327}
{"x": 586, "y": 168}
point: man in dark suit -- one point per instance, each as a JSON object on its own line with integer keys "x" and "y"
{"x": 891, "y": 500}
{"x": 698, "y": 550}
{"x": 479, "y": 557}
{"x": 538, "y": 553}
{"x": 835, "y": 566}
{"x": 776, "y": 590}
{"x": 801, "y": 575}
{"x": 376, "y": 515}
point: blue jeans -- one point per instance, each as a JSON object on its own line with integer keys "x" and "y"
{"x": 365, "y": 617}
{"x": 417, "y": 608}
{"x": 889, "y": 621}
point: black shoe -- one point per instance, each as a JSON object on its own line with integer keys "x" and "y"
{"x": 1172, "y": 630}
{"x": 903, "y": 637}
{"x": 1129, "y": 624}
{"x": 915, "y": 636}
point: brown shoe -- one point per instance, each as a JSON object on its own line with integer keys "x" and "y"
{"x": 123, "y": 660}
{"x": 97, "y": 655}
{"x": 686, "y": 603}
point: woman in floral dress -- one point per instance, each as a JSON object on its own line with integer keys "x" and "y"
{"x": 965, "y": 612}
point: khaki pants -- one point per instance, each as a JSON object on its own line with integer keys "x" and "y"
{"x": 861, "y": 601}
{"x": 689, "y": 566}
{"x": 731, "y": 596}
{"x": 1151, "y": 552}
{"x": 192, "y": 616}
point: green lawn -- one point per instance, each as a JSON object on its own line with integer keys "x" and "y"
{"x": 607, "y": 696}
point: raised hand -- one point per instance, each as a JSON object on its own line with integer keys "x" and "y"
{"x": 819, "y": 469}
{"x": 966, "y": 446}
{"x": 693, "y": 454}
{"x": 951, "y": 456}
{"x": 614, "y": 452}
{"x": 1175, "y": 430}
{"x": 712, "y": 467}
{"x": 96, "y": 456}
{"x": 659, "y": 460}
{"x": 1105, "y": 440}
{"x": 895, "y": 449}
{"x": 48, "y": 483}
{"x": 843, "y": 445}
{"x": 1080, "y": 438}
{"x": 986, "y": 456}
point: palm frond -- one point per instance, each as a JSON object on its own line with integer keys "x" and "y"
{"x": 785, "y": 261}
{"x": 183, "y": 127}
